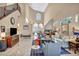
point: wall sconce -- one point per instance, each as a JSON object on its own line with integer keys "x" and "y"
{"x": 57, "y": 29}
{"x": 76, "y": 18}
{"x": 18, "y": 24}
{"x": 27, "y": 21}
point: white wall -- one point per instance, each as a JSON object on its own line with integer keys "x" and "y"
{"x": 49, "y": 25}
{"x": 6, "y": 20}
{"x": 31, "y": 15}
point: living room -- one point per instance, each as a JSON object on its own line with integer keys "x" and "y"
{"x": 39, "y": 29}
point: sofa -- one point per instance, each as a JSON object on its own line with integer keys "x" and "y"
{"x": 52, "y": 49}
{"x": 63, "y": 41}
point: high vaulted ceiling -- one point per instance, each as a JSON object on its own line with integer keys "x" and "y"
{"x": 39, "y": 6}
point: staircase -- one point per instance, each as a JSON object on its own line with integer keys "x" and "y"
{"x": 6, "y": 10}
{"x": 49, "y": 24}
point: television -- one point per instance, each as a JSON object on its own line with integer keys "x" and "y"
{"x": 13, "y": 31}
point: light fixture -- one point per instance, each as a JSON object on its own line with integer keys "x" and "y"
{"x": 35, "y": 25}
{"x": 38, "y": 17}
{"x": 3, "y": 35}
{"x": 27, "y": 21}
{"x": 57, "y": 29}
{"x": 76, "y": 18}
{"x": 18, "y": 24}
{"x": 41, "y": 25}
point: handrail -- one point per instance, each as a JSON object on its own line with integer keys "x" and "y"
{"x": 6, "y": 10}
{"x": 18, "y": 7}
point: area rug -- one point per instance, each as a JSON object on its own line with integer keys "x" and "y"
{"x": 37, "y": 52}
{"x": 64, "y": 51}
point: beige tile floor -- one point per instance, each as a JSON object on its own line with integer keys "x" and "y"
{"x": 22, "y": 48}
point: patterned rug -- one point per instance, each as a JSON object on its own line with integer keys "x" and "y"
{"x": 37, "y": 52}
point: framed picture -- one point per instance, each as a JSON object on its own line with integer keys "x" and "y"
{"x": 25, "y": 27}
{"x": 12, "y": 20}
{"x": 2, "y": 28}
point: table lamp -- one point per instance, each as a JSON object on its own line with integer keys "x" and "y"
{"x": 3, "y": 35}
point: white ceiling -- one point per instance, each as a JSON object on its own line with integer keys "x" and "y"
{"x": 39, "y": 6}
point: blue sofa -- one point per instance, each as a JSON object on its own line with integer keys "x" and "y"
{"x": 63, "y": 42}
{"x": 52, "y": 49}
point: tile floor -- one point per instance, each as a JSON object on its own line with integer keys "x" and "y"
{"x": 22, "y": 48}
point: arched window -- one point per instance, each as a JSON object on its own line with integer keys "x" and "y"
{"x": 38, "y": 17}
{"x": 37, "y": 27}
